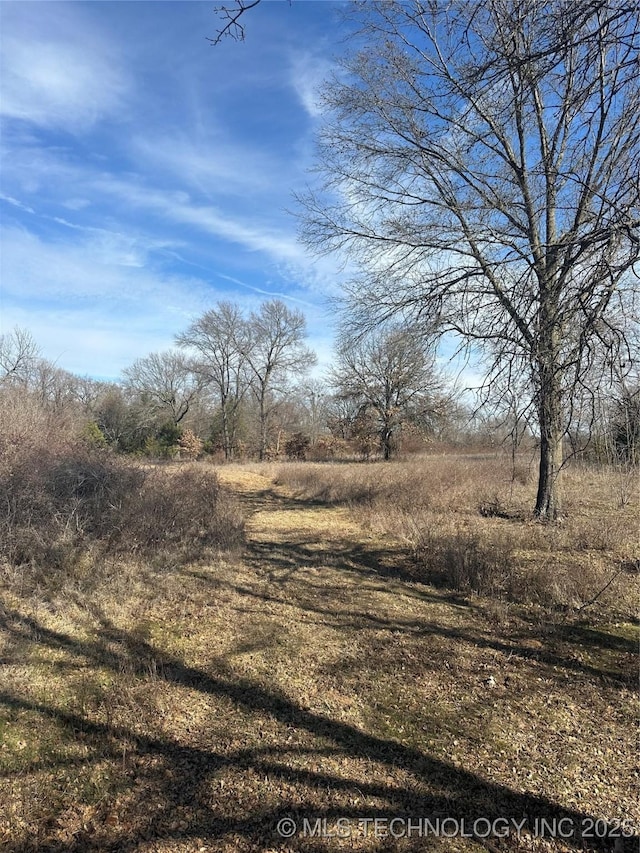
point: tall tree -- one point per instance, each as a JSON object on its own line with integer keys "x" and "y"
{"x": 275, "y": 352}
{"x": 220, "y": 339}
{"x": 314, "y": 395}
{"x": 482, "y": 163}
{"x": 166, "y": 381}
{"x": 390, "y": 373}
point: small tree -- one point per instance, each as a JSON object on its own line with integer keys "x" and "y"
{"x": 190, "y": 445}
{"x": 389, "y": 373}
{"x": 18, "y": 356}
{"x": 274, "y": 350}
{"x": 93, "y": 435}
{"x": 297, "y": 445}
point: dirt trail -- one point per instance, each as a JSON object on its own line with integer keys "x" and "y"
{"x": 285, "y": 533}
{"x": 487, "y": 695}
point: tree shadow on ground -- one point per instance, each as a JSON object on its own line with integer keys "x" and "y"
{"x": 172, "y": 795}
{"x": 289, "y": 583}
{"x": 174, "y": 787}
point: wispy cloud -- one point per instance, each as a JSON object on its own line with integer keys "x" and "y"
{"x": 137, "y": 192}
{"x": 16, "y": 203}
{"x": 272, "y": 294}
{"x": 57, "y": 71}
{"x": 178, "y": 207}
{"x": 108, "y": 266}
{"x": 88, "y": 307}
{"x": 211, "y": 165}
{"x": 308, "y": 72}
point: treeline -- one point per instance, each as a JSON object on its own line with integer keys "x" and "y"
{"x": 238, "y": 386}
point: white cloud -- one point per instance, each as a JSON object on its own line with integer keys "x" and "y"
{"x": 308, "y": 72}
{"x": 280, "y": 246}
{"x": 76, "y": 203}
{"x": 14, "y": 201}
{"x": 188, "y": 163}
{"x": 57, "y": 71}
{"x": 88, "y": 310}
{"x": 212, "y": 165}
{"x": 99, "y": 263}
{"x": 91, "y": 343}
{"x": 322, "y": 276}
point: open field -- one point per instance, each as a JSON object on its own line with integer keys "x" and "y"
{"x": 341, "y": 665}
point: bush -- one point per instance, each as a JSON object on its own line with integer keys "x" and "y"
{"x": 468, "y": 561}
{"x": 179, "y": 514}
{"x": 190, "y": 445}
{"x": 57, "y": 498}
{"x": 93, "y": 435}
{"x": 66, "y": 505}
{"x": 328, "y": 448}
{"x": 297, "y": 446}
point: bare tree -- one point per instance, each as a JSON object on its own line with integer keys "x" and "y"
{"x": 389, "y": 372}
{"x": 342, "y": 414}
{"x": 118, "y": 414}
{"x": 166, "y": 382}
{"x": 275, "y": 352}
{"x": 54, "y": 386}
{"x": 313, "y": 394}
{"x": 220, "y": 339}
{"x": 18, "y": 356}
{"x": 482, "y": 164}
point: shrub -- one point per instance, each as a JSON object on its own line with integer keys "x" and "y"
{"x": 328, "y": 448}
{"x": 65, "y": 506}
{"x": 93, "y": 435}
{"x": 297, "y": 445}
{"x": 179, "y": 514}
{"x": 190, "y": 445}
{"x": 468, "y": 561}
{"x": 55, "y": 499}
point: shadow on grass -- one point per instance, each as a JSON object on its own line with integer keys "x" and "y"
{"x": 597, "y": 638}
{"x": 290, "y": 584}
{"x": 178, "y": 781}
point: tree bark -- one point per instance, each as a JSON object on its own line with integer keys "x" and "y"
{"x": 263, "y": 429}
{"x": 548, "y": 500}
{"x": 225, "y": 432}
{"x": 386, "y": 443}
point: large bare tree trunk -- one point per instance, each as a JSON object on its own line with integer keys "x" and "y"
{"x": 387, "y": 449}
{"x": 548, "y": 500}
{"x": 226, "y": 440}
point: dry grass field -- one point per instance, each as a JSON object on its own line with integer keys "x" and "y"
{"x": 393, "y": 641}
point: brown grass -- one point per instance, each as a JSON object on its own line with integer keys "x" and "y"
{"x": 468, "y": 522}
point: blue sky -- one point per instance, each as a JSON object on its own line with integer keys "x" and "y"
{"x": 147, "y": 174}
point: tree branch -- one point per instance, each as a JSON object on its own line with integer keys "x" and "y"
{"x": 232, "y": 14}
